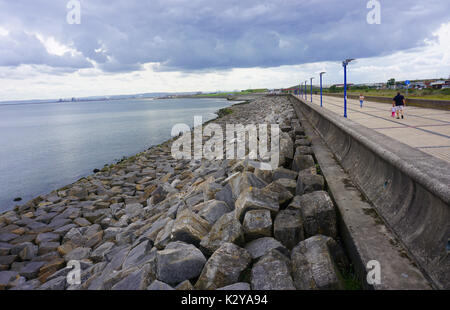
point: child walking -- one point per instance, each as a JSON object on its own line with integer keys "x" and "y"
{"x": 361, "y": 99}
{"x": 393, "y": 111}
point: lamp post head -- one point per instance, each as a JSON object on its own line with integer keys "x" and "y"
{"x": 322, "y": 73}
{"x": 347, "y": 61}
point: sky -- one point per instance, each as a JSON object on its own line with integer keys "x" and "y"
{"x": 140, "y": 46}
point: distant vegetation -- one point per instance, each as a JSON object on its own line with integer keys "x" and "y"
{"x": 224, "y": 111}
{"x": 242, "y": 92}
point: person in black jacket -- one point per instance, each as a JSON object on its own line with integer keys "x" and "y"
{"x": 399, "y": 102}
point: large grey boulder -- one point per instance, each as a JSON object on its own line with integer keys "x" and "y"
{"x": 179, "y": 261}
{"x": 5, "y": 248}
{"x": 159, "y": 194}
{"x": 286, "y": 148}
{"x": 302, "y": 142}
{"x": 240, "y": 286}
{"x": 164, "y": 236}
{"x": 185, "y": 286}
{"x": 226, "y": 195}
{"x": 283, "y": 173}
{"x": 308, "y": 183}
{"x": 210, "y": 190}
{"x": 303, "y": 150}
{"x": 47, "y": 237}
{"x": 156, "y": 227}
{"x": 31, "y": 270}
{"x": 262, "y": 246}
{"x": 78, "y": 254}
{"x": 139, "y": 255}
{"x": 99, "y": 253}
{"x": 272, "y": 272}
{"x": 134, "y": 210}
{"x": 159, "y": 286}
{"x": 189, "y": 227}
{"x": 226, "y": 229}
{"x": 138, "y": 280}
{"x": 288, "y": 184}
{"x": 257, "y": 224}
{"x": 255, "y": 199}
{"x": 317, "y": 212}
{"x": 26, "y": 250}
{"x": 288, "y": 228}
{"x": 56, "y": 284}
{"x": 315, "y": 264}
{"x": 281, "y": 193}
{"x": 6, "y": 277}
{"x": 265, "y": 175}
{"x": 244, "y": 181}
{"x": 302, "y": 162}
{"x": 194, "y": 199}
{"x": 212, "y": 210}
{"x": 224, "y": 267}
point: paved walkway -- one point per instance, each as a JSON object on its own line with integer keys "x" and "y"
{"x": 425, "y": 129}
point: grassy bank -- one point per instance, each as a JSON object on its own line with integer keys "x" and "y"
{"x": 226, "y": 94}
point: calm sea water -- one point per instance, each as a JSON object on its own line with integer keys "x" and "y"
{"x": 46, "y": 146}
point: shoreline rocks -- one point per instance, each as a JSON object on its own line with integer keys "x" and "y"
{"x": 154, "y": 222}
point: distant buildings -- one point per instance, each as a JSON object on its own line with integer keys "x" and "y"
{"x": 440, "y": 84}
{"x": 342, "y": 85}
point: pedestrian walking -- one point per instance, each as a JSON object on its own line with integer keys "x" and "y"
{"x": 399, "y": 102}
{"x": 361, "y": 100}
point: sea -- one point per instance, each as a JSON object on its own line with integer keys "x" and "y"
{"x": 45, "y": 146}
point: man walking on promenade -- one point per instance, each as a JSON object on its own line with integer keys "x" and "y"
{"x": 399, "y": 102}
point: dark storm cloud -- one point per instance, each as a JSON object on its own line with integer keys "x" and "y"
{"x": 121, "y": 36}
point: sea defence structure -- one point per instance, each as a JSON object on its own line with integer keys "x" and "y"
{"x": 155, "y": 222}
{"x": 409, "y": 189}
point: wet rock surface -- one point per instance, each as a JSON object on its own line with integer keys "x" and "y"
{"x": 159, "y": 223}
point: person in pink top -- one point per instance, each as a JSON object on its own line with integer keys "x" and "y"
{"x": 361, "y": 99}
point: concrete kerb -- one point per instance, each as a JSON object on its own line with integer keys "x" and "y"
{"x": 415, "y": 204}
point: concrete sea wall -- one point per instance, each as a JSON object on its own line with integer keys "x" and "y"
{"x": 408, "y": 188}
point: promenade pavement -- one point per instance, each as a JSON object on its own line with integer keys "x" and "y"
{"x": 424, "y": 129}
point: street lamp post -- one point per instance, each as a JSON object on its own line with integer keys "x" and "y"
{"x": 311, "y": 79}
{"x": 306, "y": 90}
{"x": 321, "y": 73}
{"x": 345, "y": 64}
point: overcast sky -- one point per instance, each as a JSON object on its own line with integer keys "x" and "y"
{"x": 134, "y": 46}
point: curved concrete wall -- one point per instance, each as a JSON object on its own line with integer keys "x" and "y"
{"x": 409, "y": 189}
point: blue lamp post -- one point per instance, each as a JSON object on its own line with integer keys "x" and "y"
{"x": 306, "y": 90}
{"x": 321, "y": 73}
{"x": 345, "y": 64}
{"x": 311, "y": 79}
